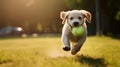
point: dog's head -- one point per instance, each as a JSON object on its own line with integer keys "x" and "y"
{"x": 75, "y": 17}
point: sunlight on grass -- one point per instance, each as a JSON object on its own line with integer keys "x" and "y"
{"x": 47, "y": 52}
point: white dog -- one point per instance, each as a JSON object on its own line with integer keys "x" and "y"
{"x": 72, "y": 19}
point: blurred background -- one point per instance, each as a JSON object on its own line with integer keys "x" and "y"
{"x": 26, "y": 17}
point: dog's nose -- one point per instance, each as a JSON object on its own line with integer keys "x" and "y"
{"x": 76, "y": 24}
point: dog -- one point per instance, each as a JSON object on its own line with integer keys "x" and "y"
{"x": 72, "y": 19}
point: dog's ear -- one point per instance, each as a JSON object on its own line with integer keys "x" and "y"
{"x": 64, "y": 16}
{"x": 87, "y": 15}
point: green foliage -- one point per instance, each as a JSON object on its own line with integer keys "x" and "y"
{"x": 114, "y": 7}
{"x": 79, "y": 4}
{"x": 118, "y": 16}
{"x": 74, "y": 3}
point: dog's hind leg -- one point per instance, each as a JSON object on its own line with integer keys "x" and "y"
{"x": 77, "y": 46}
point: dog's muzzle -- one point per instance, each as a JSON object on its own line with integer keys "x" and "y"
{"x": 75, "y": 24}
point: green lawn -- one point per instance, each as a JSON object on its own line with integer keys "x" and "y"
{"x": 47, "y": 52}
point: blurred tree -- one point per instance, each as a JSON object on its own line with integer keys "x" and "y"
{"x": 114, "y": 23}
{"x": 109, "y": 10}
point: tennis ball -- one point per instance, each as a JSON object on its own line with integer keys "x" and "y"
{"x": 78, "y": 31}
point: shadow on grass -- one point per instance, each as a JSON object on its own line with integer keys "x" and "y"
{"x": 94, "y": 62}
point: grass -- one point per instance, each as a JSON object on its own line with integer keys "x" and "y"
{"x": 47, "y": 52}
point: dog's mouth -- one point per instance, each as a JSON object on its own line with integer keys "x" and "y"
{"x": 75, "y": 24}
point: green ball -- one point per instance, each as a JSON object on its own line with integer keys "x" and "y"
{"x": 78, "y": 31}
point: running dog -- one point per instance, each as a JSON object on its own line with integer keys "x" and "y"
{"x": 72, "y": 19}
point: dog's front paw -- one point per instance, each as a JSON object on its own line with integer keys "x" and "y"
{"x": 66, "y": 48}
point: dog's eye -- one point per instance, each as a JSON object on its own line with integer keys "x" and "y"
{"x": 79, "y": 18}
{"x": 71, "y": 18}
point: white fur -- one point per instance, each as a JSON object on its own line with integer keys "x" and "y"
{"x": 67, "y": 36}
